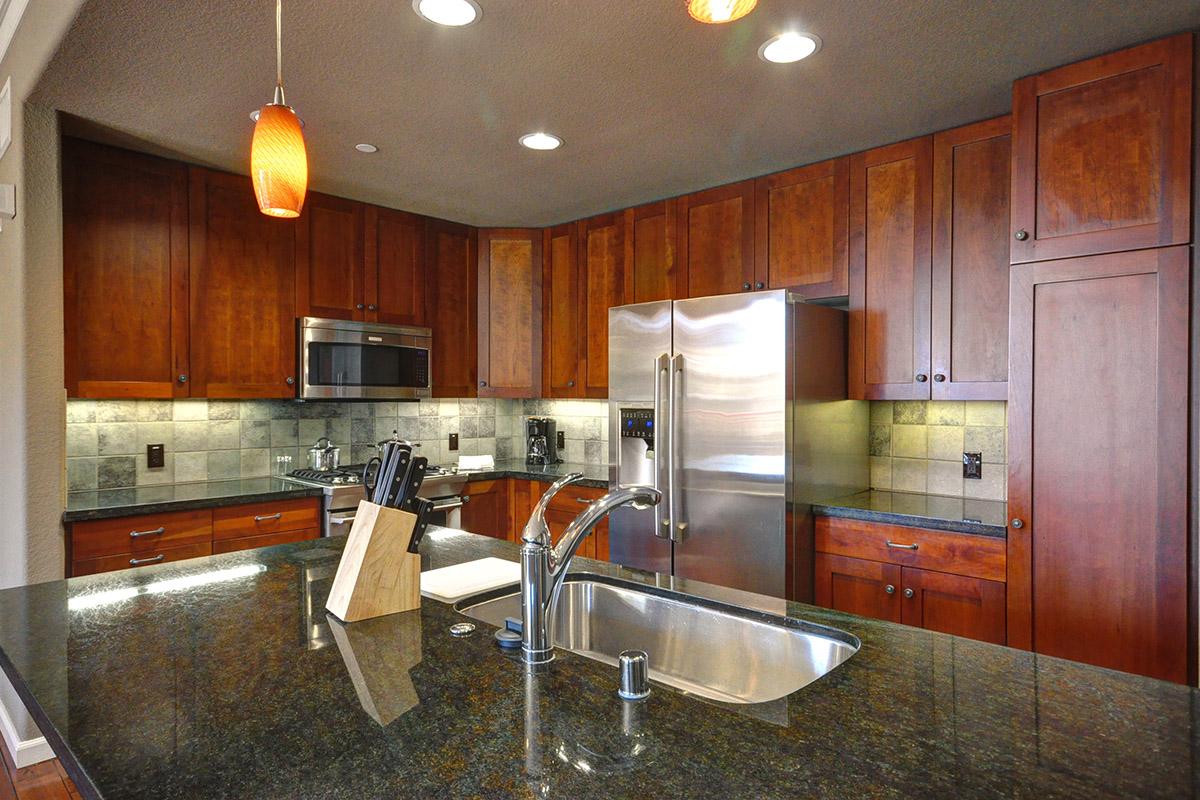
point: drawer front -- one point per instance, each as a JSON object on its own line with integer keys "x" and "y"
{"x": 266, "y": 540}
{"x": 957, "y": 553}
{"x": 259, "y": 519}
{"x": 573, "y": 498}
{"x": 139, "y": 535}
{"x": 127, "y": 561}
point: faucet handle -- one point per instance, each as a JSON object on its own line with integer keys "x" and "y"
{"x": 535, "y": 529}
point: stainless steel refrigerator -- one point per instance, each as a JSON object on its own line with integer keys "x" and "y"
{"x": 735, "y": 408}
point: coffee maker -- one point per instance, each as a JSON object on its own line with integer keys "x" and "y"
{"x": 541, "y": 441}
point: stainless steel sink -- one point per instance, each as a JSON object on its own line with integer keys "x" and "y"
{"x": 713, "y": 650}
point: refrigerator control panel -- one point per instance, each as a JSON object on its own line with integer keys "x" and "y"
{"x": 638, "y": 423}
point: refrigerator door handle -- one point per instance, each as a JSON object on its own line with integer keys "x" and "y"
{"x": 662, "y": 447}
{"x": 675, "y": 512}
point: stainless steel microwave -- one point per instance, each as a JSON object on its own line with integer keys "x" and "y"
{"x": 342, "y": 360}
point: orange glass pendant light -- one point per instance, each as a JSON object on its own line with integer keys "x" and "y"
{"x": 278, "y": 160}
{"x": 718, "y": 11}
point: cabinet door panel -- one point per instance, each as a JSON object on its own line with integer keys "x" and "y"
{"x": 561, "y": 317}
{"x": 1097, "y": 465}
{"x": 602, "y": 267}
{"x": 651, "y": 273}
{"x": 1102, "y": 153}
{"x": 716, "y": 240}
{"x": 890, "y": 208}
{"x": 395, "y": 267}
{"x": 858, "y": 587}
{"x": 243, "y": 292}
{"x": 956, "y": 604}
{"x": 970, "y": 261}
{"x": 329, "y": 258}
{"x": 801, "y": 220}
{"x": 125, "y": 251}
{"x": 451, "y": 300}
{"x": 510, "y": 312}
{"x": 487, "y": 511}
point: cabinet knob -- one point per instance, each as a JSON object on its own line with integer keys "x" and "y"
{"x": 570, "y": 383}
{"x": 939, "y": 377}
{"x": 372, "y": 307}
{"x": 890, "y": 589}
{"x": 1021, "y": 235}
{"x": 746, "y": 286}
{"x": 359, "y": 306}
{"x": 922, "y": 377}
{"x": 759, "y": 285}
{"x": 908, "y": 593}
{"x": 290, "y": 381}
{"x": 1017, "y": 523}
{"x": 182, "y": 378}
{"x": 483, "y": 383}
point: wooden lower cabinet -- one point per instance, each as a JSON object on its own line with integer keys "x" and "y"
{"x": 858, "y": 586}
{"x": 500, "y": 508}
{"x": 487, "y": 509}
{"x": 264, "y": 540}
{"x": 163, "y": 555}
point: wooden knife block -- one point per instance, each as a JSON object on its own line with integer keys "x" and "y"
{"x": 377, "y": 575}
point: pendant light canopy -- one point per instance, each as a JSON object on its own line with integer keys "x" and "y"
{"x": 278, "y": 160}
{"x": 718, "y": 11}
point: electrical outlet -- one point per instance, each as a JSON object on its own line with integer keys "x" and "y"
{"x": 973, "y": 466}
{"x": 562, "y": 441}
{"x": 454, "y": 441}
{"x": 156, "y": 456}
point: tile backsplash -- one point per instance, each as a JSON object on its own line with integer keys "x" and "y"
{"x": 225, "y": 439}
{"x": 918, "y": 446}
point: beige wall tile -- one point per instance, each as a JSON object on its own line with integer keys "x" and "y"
{"x": 985, "y": 412}
{"x": 944, "y": 477}
{"x": 944, "y": 412}
{"x": 990, "y": 487}
{"x": 908, "y": 475}
{"x": 945, "y": 443}
{"x": 881, "y": 412}
{"x": 989, "y": 441}
{"x": 881, "y": 472}
{"x": 909, "y": 441}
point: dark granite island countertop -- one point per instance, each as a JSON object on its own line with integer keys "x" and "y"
{"x": 957, "y": 514}
{"x": 213, "y": 678}
{"x": 594, "y": 475}
{"x": 109, "y": 503}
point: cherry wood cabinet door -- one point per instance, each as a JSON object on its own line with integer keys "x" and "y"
{"x": 858, "y": 586}
{"x": 562, "y": 313}
{"x": 125, "y": 273}
{"x": 1098, "y": 567}
{"x": 890, "y": 208}
{"x": 329, "y": 259}
{"x": 602, "y": 271}
{"x": 486, "y": 510}
{"x": 1102, "y": 154}
{"x": 651, "y": 273}
{"x": 510, "y": 312}
{"x": 801, "y": 229}
{"x": 394, "y": 267}
{"x": 716, "y": 240}
{"x": 243, "y": 292}
{"x": 450, "y": 304}
{"x": 969, "y": 345}
{"x": 970, "y": 607}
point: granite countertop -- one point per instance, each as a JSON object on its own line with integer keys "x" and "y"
{"x": 594, "y": 475}
{"x": 108, "y": 503}
{"x": 961, "y": 515}
{"x": 211, "y": 678}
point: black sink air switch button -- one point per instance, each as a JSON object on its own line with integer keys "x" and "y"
{"x": 509, "y": 640}
{"x": 156, "y": 457}
{"x": 973, "y": 466}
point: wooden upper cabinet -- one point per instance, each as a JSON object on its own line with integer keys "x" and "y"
{"x": 394, "y": 267}
{"x": 329, "y": 258}
{"x": 1098, "y": 463}
{"x": 716, "y": 240}
{"x": 969, "y": 346}
{"x": 450, "y": 305}
{"x": 1102, "y": 154}
{"x": 890, "y": 207}
{"x": 125, "y": 258}
{"x": 562, "y": 312}
{"x": 650, "y": 264}
{"x": 243, "y": 292}
{"x": 510, "y": 312}
{"x": 602, "y": 268}
{"x": 801, "y": 229}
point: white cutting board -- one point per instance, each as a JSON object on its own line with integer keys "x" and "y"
{"x": 451, "y": 584}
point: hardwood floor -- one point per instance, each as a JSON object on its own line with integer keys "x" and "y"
{"x": 44, "y": 781}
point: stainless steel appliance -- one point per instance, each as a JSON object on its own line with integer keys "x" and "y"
{"x": 341, "y": 360}
{"x": 541, "y": 441}
{"x": 735, "y": 408}
{"x": 344, "y": 489}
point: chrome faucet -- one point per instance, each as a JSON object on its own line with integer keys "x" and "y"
{"x": 544, "y": 566}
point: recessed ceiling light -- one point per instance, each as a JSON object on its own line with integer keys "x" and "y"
{"x": 454, "y": 13}
{"x": 541, "y": 141}
{"x": 363, "y": 147}
{"x": 788, "y": 48}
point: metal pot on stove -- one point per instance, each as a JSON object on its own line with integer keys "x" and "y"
{"x": 323, "y": 455}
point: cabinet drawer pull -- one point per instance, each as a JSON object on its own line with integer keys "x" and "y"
{"x": 265, "y": 517}
{"x": 899, "y": 546}
{"x": 137, "y": 562}
{"x": 583, "y": 500}
{"x": 140, "y": 534}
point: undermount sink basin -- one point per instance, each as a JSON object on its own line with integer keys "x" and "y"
{"x": 717, "y": 651}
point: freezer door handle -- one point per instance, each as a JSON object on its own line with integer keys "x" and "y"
{"x": 677, "y": 524}
{"x": 662, "y": 447}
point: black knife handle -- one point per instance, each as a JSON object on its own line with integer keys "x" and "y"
{"x": 423, "y": 508}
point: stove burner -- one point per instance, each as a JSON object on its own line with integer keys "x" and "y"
{"x": 336, "y": 477}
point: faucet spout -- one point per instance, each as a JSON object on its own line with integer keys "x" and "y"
{"x": 544, "y": 567}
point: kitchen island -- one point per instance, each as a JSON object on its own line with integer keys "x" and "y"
{"x": 220, "y": 677}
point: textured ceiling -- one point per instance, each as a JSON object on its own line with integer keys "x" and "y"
{"x": 650, "y": 104}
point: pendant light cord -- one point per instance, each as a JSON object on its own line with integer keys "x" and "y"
{"x": 279, "y": 42}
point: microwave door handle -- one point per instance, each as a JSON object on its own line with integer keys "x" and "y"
{"x": 674, "y": 480}
{"x": 662, "y": 448}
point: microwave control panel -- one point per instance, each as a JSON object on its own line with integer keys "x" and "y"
{"x": 638, "y": 423}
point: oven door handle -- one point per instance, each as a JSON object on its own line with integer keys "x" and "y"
{"x": 450, "y": 503}
{"x": 341, "y": 519}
